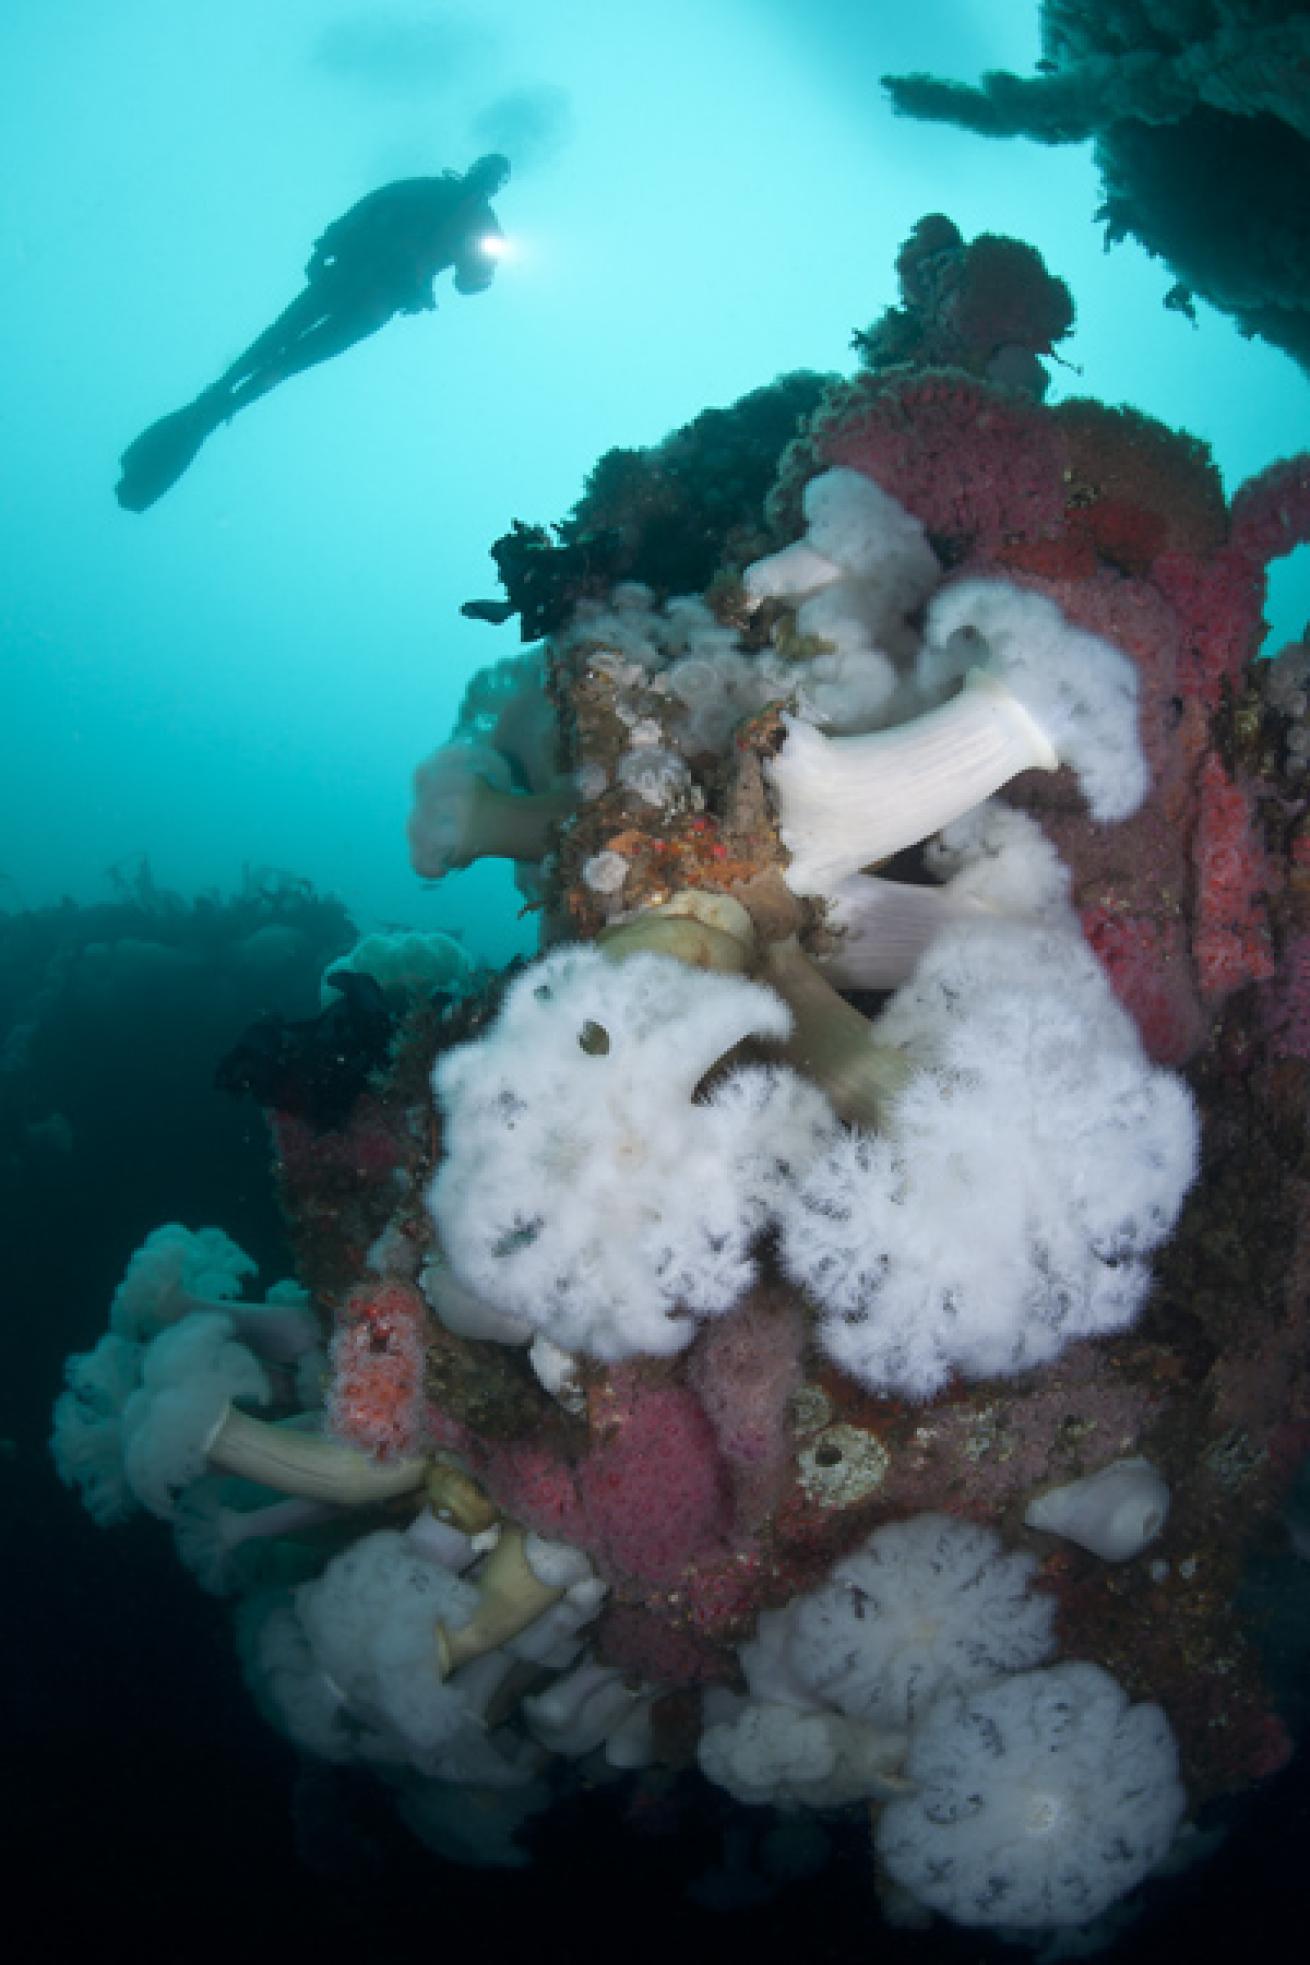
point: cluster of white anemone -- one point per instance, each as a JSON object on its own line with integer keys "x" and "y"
{"x": 1028, "y": 1161}
{"x": 1009, "y": 684}
{"x": 586, "y": 1191}
{"x": 611, "y": 1166}
{"x": 1011, "y": 1792}
{"x": 147, "y": 1409}
{"x": 407, "y": 1649}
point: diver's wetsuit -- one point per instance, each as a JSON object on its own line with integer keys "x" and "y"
{"x": 377, "y": 260}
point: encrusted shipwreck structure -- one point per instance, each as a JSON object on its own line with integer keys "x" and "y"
{"x": 841, "y": 1312}
{"x": 1197, "y": 110}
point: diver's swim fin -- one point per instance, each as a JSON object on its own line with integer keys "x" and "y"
{"x": 158, "y": 457}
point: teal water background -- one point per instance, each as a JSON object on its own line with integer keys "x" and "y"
{"x": 704, "y": 195}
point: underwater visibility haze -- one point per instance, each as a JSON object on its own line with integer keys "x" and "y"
{"x": 655, "y": 971}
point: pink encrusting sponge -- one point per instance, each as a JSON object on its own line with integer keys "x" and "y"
{"x": 653, "y": 1493}
{"x": 375, "y": 1400}
{"x": 1231, "y": 938}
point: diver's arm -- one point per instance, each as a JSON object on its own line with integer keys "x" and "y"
{"x": 475, "y": 266}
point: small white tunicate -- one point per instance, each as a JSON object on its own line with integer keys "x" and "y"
{"x": 557, "y": 1371}
{"x": 1115, "y": 1512}
{"x": 591, "y": 780}
{"x": 605, "y": 872}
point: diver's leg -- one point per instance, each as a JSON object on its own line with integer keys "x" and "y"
{"x": 160, "y": 455}
{"x": 305, "y": 310}
{"x": 157, "y": 458}
{"x": 320, "y": 342}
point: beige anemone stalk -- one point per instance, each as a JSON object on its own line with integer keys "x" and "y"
{"x": 511, "y": 1595}
{"x": 831, "y": 1043}
{"x": 294, "y": 1462}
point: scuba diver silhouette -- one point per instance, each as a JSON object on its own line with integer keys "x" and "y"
{"x": 377, "y": 260}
